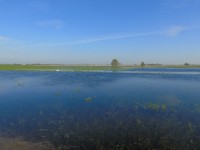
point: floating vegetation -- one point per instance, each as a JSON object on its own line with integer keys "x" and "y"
{"x": 163, "y": 107}
{"x": 89, "y": 99}
{"x": 156, "y": 107}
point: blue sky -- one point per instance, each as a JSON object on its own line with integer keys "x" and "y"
{"x": 96, "y": 31}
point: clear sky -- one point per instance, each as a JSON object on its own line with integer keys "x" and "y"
{"x": 96, "y": 31}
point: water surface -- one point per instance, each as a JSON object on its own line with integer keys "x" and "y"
{"x": 134, "y": 109}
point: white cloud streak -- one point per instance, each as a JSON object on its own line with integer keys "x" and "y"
{"x": 55, "y": 24}
{"x": 114, "y": 37}
{"x": 98, "y": 39}
{"x": 175, "y": 31}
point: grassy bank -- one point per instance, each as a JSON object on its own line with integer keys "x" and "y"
{"x": 84, "y": 67}
{"x": 60, "y": 67}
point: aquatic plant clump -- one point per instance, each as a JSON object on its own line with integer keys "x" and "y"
{"x": 89, "y": 99}
{"x": 156, "y": 107}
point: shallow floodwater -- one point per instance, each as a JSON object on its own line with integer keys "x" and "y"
{"x": 140, "y": 109}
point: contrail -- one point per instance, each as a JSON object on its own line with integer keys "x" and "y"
{"x": 93, "y": 40}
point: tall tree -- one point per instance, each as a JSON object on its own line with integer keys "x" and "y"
{"x": 115, "y": 63}
{"x": 142, "y": 64}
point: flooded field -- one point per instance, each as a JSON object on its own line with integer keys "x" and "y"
{"x": 140, "y": 109}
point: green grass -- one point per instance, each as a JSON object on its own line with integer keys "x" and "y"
{"x": 83, "y": 67}
{"x": 59, "y": 67}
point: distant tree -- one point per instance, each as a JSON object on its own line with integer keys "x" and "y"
{"x": 115, "y": 63}
{"x": 142, "y": 64}
{"x": 186, "y": 64}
